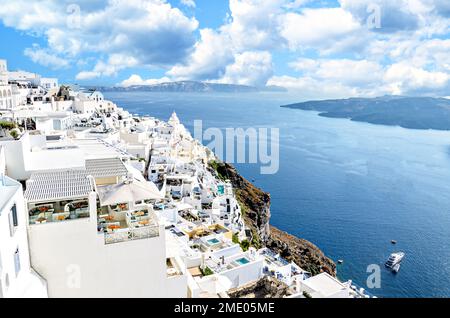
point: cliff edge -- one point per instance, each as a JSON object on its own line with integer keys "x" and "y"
{"x": 255, "y": 205}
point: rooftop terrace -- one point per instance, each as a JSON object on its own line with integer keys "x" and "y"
{"x": 58, "y": 185}
{"x": 109, "y": 167}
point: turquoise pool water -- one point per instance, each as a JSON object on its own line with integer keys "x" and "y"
{"x": 213, "y": 241}
{"x": 243, "y": 261}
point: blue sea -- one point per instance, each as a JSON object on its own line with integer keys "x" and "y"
{"x": 348, "y": 187}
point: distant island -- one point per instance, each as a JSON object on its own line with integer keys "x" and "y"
{"x": 407, "y": 112}
{"x": 191, "y": 87}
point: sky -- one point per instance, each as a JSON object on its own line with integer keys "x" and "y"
{"x": 320, "y": 48}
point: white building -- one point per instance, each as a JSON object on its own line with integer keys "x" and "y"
{"x": 3, "y": 72}
{"x": 241, "y": 268}
{"x": 17, "y": 278}
{"x": 33, "y": 153}
{"x": 324, "y": 286}
{"x": 49, "y": 83}
{"x": 22, "y": 76}
{"x": 6, "y": 98}
{"x": 80, "y": 256}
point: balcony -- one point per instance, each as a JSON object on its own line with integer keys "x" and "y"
{"x": 120, "y": 225}
{"x": 58, "y": 196}
{"x": 127, "y": 234}
{"x": 58, "y": 211}
{"x": 219, "y": 265}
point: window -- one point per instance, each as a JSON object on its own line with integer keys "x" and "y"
{"x": 17, "y": 262}
{"x": 13, "y": 220}
{"x": 7, "y": 280}
{"x": 14, "y": 214}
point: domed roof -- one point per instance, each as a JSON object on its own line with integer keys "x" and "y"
{"x": 174, "y": 119}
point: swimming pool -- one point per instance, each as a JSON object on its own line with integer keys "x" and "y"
{"x": 213, "y": 241}
{"x": 242, "y": 261}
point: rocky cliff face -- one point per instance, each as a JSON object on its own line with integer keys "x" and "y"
{"x": 255, "y": 205}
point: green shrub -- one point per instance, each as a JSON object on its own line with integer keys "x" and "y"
{"x": 7, "y": 125}
{"x": 216, "y": 167}
{"x": 245, "y": 245}
{"x": 14, "y": 134}
{"x": 207, "y": 271}
{"x": 235, "y": 238}
{"x": 256, "y": 241}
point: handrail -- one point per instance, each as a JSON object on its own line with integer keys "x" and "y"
{"x": 125, "y": 235}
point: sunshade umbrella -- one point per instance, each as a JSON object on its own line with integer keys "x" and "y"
{"x": 129, "y": 191}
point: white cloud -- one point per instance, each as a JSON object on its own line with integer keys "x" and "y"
{"x": 253, "y": 24}
{"x": 402, "y": 78}
{"x": 349, "y": 72}
{"x": 334, "y": 51}
{"x": 211, "y": 55}
{"x": 151, "y": 32}
{"x": 115, "y": 63}
{"x": 44, "y": 57}
{"x": 138, "y": 80}
{"x": 188, "y": 3}
{"x": 249, "y": 68}
{"x": 394, "y": 15}
{"x": 311, "y": 88}
{"x": 31, "y": 16}
{"x": 220, "y": 54}
{"x": 333, "y": 78}
{"x": 347, "y": 78}
{"x": 87, "y": 75}
{"x": 317, "y": 27}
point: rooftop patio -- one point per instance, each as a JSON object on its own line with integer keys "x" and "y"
{"x": 120, "y": 219}
{"x": 228, "y": 263}
{"x": 120, "y": 224}
{"x": 58, "y": 196}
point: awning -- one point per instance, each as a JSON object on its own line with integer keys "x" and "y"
{"x": 129, "y": 191}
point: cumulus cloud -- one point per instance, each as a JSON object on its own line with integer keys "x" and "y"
{"x": 209, "y": 59}
{"x": 188, "y": 3}
{"x": 349, "y": 72}
{"x": 152, "y": 32}
{"x": 394, "y": 15}
{"x": 249, "y": 68}
{"x": 403, "y": 78}
{"x": 345, "y": 78}
{"x": 46, "y": 58}
{"x": 311, "y": 88}
{"x": 442, "y": 7}
{"x": 254, "y": 24}
{"x": 317, "y": 27}
{"x": 323, "y": 49}
{"x": 138, "y": 80}
{"x": 251, "y": 27}
{"x": 115, "y": 63}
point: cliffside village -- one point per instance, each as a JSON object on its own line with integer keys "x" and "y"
{"x": 97, "y": 202}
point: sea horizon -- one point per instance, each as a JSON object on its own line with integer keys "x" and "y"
{"x": 336, "y": 165}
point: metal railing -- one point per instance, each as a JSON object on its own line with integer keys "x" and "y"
{"x": 124, "y": 235}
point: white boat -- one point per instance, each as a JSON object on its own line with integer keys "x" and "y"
{"x": 396, "y": 268}
{"x": 394, "y": 259}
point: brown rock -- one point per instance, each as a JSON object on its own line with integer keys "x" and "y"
{"x": 255, "y": 204}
